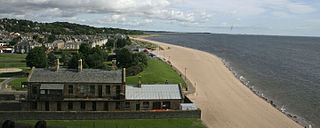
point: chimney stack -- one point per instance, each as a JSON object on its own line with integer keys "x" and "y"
{"x": 124, "y": 75}
{"x": 57, "y": 65}
{"x": 139, "y": 82}
{"x": 114, "y": 64}
{"x": 80, "y": 65}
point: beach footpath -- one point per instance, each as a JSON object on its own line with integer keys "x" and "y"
{"x": 225, "y": 102}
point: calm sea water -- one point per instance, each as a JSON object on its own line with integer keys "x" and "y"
{"x": 283, "y": 69}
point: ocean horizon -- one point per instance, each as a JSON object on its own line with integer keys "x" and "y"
{"x": 281, "y": 69}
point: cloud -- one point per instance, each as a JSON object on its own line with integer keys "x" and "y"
{"x": 282, "y": 14}
{"x": 251, "y": 7}
{"x": 300, "y": 8}
{"x": 122, "y": 20}
{"x": 158, "y": 9}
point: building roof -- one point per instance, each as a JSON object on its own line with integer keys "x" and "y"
{"x": 71, "y": 75}
{"x": 52, "y": 86}
{"x": 153, "y": 92}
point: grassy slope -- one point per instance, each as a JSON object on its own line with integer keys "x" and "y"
{"x": 157, "y": 72}
{"x": 141, "y": 123}
{"x": 16, "y": 83}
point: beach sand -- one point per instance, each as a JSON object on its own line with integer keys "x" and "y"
{"x": 225, "y": 102}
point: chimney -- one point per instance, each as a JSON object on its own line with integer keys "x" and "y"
{"x": 139, "y": 82}
{"x": 80, "y": 65}
{"x": 124, "y": 76}
{"x": 114, "y": 64}
{"x": 57, "y": 64}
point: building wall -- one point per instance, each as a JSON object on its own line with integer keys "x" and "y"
{"x": 26, "y": 106}
{"x": 174, "y": 104}
{"x": 76, "y": 90}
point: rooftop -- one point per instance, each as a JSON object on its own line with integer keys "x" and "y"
{"x": 153, "y": 92}
{"x": 72, "y": 75}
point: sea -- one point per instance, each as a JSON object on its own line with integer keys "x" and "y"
{"x": 281, "y": 69}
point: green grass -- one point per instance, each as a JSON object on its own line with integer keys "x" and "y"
{"x": 157, "y": 72}
{"x": 20, "y": 65}
{"x": 3, "y": 60}
{"x": 2, "y": 80}
{"x": 7, "y": 55}
{"x": 7, "y": 60}
{"x": 140, "y": 123}
{"x": 16, "y": 83}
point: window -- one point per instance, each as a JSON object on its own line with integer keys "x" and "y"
{"x": 94, "y": 106}
{"x": 47, "y": 106}
{"x": 42, "y": 92}
{"x": 70, "y": 89}
{"x": 34, "y": 105}
{"x": 92, "y": 89}
{"x": 83, "y": 105}
{"x": 118, "y": 90}
{"x": 145, "y": 104}
{"x": 117, "y": 105}
{"x": 58, "y": 106}
{"x": 106, "y": 106}
{"x": 108, "y": 92}
{"x": 34, "y": 90}
{"x": 82, "y": 89}
{"x": 166, "y": 105}
{"x": 70, "y": 106}
{"x": 127, "y": 105}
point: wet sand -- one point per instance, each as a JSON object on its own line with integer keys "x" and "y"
{"x": 225, "y": 102}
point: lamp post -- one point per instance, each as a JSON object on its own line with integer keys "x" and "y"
{"x": 185, "y": 76}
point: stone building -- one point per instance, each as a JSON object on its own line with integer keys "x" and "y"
{"x": 94, "y": 90}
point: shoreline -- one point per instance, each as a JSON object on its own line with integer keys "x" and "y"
{"x": 251, "y": 107}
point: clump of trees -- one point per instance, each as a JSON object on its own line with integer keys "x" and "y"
{"x": 91, "y": 57}
{"x": 37, "y": 57}
{"x": 120, "y": 43}
{"x": 134, "y": 62}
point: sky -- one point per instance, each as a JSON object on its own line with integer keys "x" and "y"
{"x": 262, "y": 17}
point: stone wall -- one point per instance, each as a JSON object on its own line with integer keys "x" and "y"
{"x": 97, "y": 115}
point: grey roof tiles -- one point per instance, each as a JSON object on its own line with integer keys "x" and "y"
{"x": 72, "y": 75}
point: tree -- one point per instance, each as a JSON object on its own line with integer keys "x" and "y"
{"x": 51, "y": 38}
{"x": 96, "y": 58}
{"x": 65, "y": 57}
{"x": 84, "y": 50}
{"x": 14, "y": 41}
{"x": 121, "y": 43}
{"x": 124, "y": 58}
{"x": 139, "y": 59}
{"x": 37, "y": 58}
{"x": 51, "y": 59}
{"x": 73, "y": 63}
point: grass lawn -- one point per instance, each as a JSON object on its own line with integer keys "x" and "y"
{"x": 12, "y": 60}
{"x": 6, "y": 60}
{"x": 157, "y": 72}
{"x": 140, "y": 123}
{"x": 8, "y": 55}
{"x": 16, "y": 83}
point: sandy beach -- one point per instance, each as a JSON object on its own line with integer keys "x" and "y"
{"x": 225, "y": 102}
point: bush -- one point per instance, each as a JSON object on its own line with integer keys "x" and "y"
{"x": 134, "y": 70}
